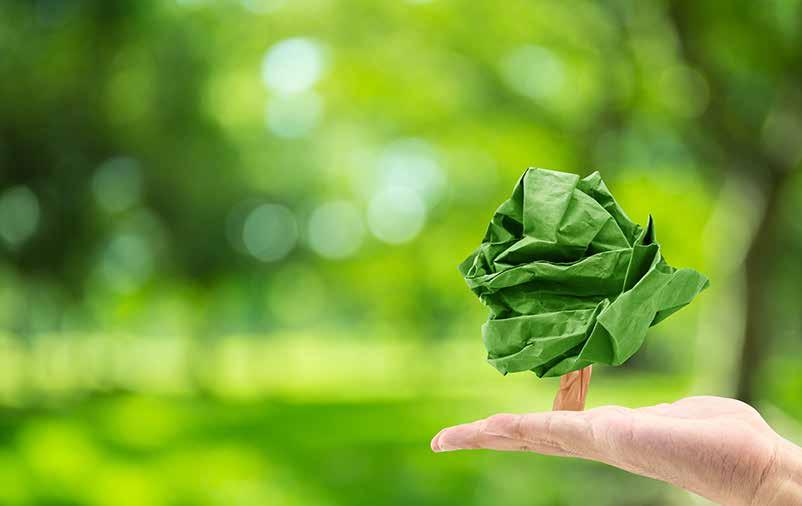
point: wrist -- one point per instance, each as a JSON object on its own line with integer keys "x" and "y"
{"x": 783, "y": 481}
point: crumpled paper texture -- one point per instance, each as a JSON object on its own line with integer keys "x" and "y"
{"x": 569, "y": 279}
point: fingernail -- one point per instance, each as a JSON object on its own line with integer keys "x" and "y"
{"x": 440, "y": 444}
{"x": 436, "y": 442}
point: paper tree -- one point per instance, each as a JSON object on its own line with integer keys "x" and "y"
{"x": 569, "y": 279}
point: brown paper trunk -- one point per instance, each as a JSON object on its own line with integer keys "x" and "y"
{"x": 573, "y": 389}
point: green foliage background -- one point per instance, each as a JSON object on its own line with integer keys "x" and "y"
{"x": 147, "y": 356}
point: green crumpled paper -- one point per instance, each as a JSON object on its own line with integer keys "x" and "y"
{"x": 569, "y": 279}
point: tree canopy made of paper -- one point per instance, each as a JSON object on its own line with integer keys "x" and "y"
{"x": 569, "y": 279}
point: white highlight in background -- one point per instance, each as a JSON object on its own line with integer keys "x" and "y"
{"x": 336, "y": 230}
{"x": 533, "y": 71}
{"x": 412, "y": 164}
{"x": 396, "y": 215}
{"x": 293, "y": 66}
{"x": 117, "y": 184}
{"x": 19, "y": 215}
{"x": 294, "y": 116}
{"x": 270, "y": 232}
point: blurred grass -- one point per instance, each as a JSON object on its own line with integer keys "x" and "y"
{"x": 286, "y": 420}
{"x": 124, "y": 448}
{"x": 303, "y": 366}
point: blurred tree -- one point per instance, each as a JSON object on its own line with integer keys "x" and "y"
{"x": 752, "y": 61}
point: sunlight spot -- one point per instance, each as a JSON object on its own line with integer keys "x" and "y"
{"x": 396, "y": 215}
{"x": 533, "y": 71}
{"x": 19, "y": 215}
{"x": 412, "y": 164}
{"x": 293, "y": 66}
{"x": 263, "y": 6}
{"x": 336, "y": 230}
{"x": 295, "y": 116}
{"x": 117, "y": 184}
{"x": 126, "y": 262}
{"x": 270, "y": 232}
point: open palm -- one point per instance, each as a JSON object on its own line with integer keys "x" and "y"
{"x": 719, "y": 448}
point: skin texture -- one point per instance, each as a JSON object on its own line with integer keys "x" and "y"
{"x": 719, "y": 448}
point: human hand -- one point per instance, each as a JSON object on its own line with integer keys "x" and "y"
{"x": 719, "y": 448}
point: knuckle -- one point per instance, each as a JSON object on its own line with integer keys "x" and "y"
{"x": 503, "y": 424}
{"x": 613, "y": 428}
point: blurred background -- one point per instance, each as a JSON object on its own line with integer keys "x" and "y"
{"x": 229, "y": 233}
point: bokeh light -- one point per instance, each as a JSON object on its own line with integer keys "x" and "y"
{"x": 293, "y": 65}
{"x": 270, "y": 232}
{"x": 126, "y": 262}
{"x": 263, "y": 6}
{"x": 533, "y": 71}
{"x": 412, "y": 164}
{"x": 294, "y": 116}
{"x": 336, "y": 230}
{"x": 117, "y": 184}
{"x": 396, "y": 215}
{"x": 19, "y": 215}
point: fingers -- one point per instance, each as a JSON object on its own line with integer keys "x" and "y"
{"x": 632, "y": 440}
{"x": 669, "y": 442}
{"x": 555, "y": 433}
{"x": 474, "y": 436}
